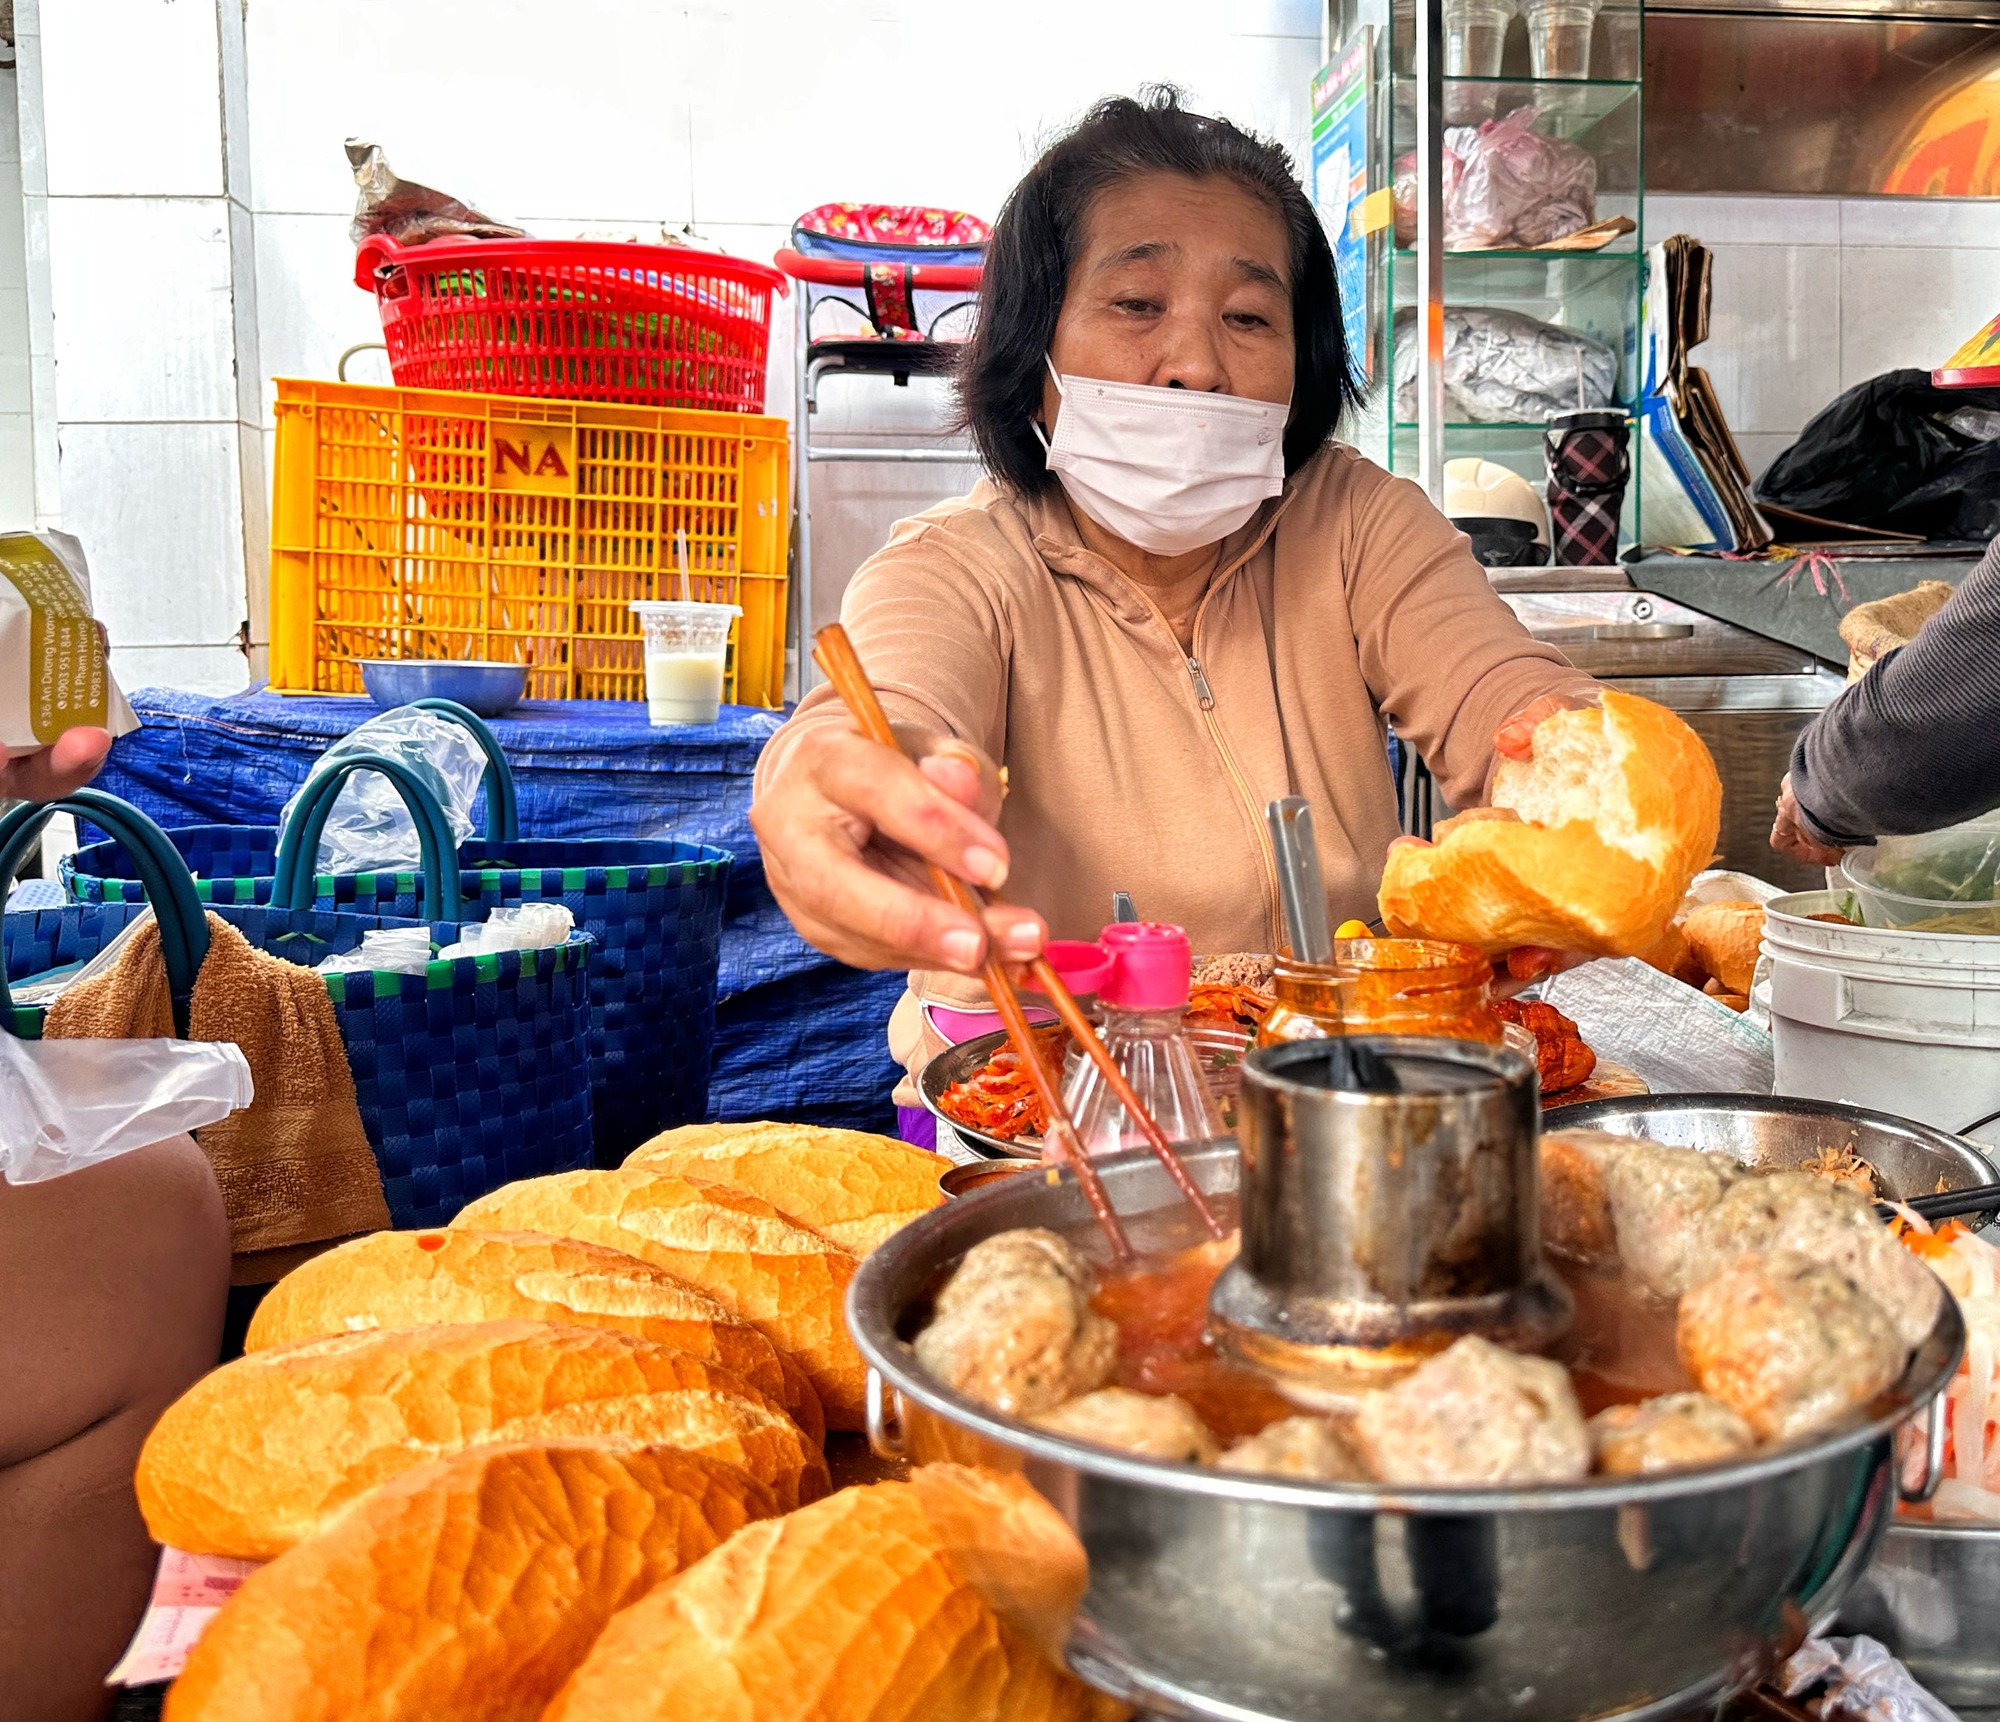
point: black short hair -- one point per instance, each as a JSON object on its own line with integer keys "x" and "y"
{"x": 1038, "y": 237}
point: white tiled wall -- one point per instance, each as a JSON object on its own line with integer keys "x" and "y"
{"x": 141, "y": 205}
{"x": 187, "y": 200}
{"x": 1813, "y": 295}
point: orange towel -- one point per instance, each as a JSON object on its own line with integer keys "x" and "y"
{"x": 295, "y": 1166}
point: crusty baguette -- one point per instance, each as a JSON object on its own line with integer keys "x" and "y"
{"x": 850, "y": 1186}
{"x": 869, "y": 1605}
{"x": 1669, "y": 953}
{"x": 417, "y": 1279}
{"x": 1589, "y": 845}
{"x": 1725, "y": 939}
{"x": 782, "y": 1278}
{"x": 465, "y": 1590}
{"x": 262, "y": 1452}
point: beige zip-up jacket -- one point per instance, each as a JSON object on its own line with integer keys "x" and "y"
{"x": 1133, "y": 766}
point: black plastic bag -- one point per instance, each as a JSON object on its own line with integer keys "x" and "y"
{"x": 1877, "y": 446}
{"x": 1961, "y": 501}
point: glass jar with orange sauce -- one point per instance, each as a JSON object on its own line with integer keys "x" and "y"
{"x": 1385, "y": 986}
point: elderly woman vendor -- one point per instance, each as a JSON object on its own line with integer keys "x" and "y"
{"x": 1173, "y": 598}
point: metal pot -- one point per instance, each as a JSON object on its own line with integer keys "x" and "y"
{"x": 1933, "y": 1593}
{"x": 1218, "y": 1595}
{"x": 1778, "y": 1133}
{"x": 1933, "y": 1597}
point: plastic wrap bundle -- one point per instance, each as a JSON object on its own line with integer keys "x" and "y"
{"x": 1505, "y": 184}
{"x": 408, "y": 950}
{"x": 1505, "y": 367}
{"x": 68, "y": 1104}
{"x": 1678, "y": 1040}
{"x": 1857, "y": 1678}
{"x": 370, "y": 828}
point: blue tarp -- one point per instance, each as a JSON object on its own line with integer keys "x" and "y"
{"x": 797, "y": 1034}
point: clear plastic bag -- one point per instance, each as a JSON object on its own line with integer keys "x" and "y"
{"x": 67, "y": 1104}
{"x": 1857, "y": 1680}
{"x": 370, "y": 829}
{"x": 387, "y": 950}
{"x": 518, "y": 927}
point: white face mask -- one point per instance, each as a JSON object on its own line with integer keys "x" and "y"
{"x": 1166, "y": 469}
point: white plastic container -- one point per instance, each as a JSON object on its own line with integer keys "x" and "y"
{"x": 1905, "y": 1022}
{"x": 687, "y": 651}
{"x": 1941, "y": 882}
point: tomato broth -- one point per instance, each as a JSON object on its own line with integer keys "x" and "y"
{"x": 1619, "y": 1351}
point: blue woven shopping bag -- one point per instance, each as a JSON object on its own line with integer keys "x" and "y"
{"x": 468, "y": 1076}
{"x": 653, "y": 908}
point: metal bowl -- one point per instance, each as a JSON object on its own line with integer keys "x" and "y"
{"x": 977, "y": 1174}
{"x": 1909, "y": 1159}
{"x": 1218, "y": 1595}
{"x": 1220, "y": 1051}
{"x": 1933, "y": 1597}
{"x": 491, "y": 690}
{"x": 1933, "y": 1594}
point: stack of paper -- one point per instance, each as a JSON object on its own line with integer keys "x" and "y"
{"x": 1696, "y": 485}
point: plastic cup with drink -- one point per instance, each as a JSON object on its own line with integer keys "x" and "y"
{"x": 687, "y": 650}
{"x": 687, "y": 647}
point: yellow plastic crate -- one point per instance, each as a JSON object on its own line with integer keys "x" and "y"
{"x": 425, "y": 523}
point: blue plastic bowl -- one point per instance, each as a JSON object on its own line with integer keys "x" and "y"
{"x": 491, "y": 690}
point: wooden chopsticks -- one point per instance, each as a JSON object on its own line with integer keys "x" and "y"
{"x": 834, "y": 652}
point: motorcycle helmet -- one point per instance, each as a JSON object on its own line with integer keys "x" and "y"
{"x": 1499, "y": 510}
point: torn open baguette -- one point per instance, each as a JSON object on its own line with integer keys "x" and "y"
{"x": 1589, "y": 845}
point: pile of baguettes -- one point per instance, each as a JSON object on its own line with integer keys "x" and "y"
{"x": 564, "y": 1460}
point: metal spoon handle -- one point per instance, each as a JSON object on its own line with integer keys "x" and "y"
{"x": 1301, "y": 890}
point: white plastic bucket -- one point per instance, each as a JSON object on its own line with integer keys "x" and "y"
{"x": 1903, "y": 1022}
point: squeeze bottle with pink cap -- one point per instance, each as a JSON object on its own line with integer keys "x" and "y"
{"x": 1144, "y": 998}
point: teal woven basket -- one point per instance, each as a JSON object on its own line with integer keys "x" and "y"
{"x": 654, "y": 909}
{"x": 468, "y": 1076}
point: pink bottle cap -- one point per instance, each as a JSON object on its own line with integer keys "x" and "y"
{"x": 1151, "y": 965}
{"x": 1083, "y": 964}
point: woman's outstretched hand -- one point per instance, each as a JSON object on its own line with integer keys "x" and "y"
{"x": 848, "y": 827}
{"x": 68, "y": 762}
{"x": 1515, "y": 739}
{"x": 1789, "y": 835}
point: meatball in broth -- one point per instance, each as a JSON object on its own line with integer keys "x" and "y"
{"x": 1014, "y": 1326}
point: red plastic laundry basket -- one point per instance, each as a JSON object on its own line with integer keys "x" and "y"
{"x": 655, "y": 325}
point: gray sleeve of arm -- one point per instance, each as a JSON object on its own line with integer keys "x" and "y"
{"x": 1915, "y": 744}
